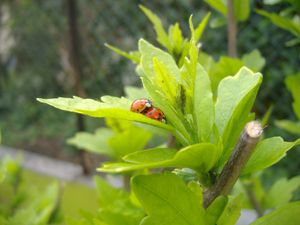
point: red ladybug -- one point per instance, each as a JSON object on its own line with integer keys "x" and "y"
{"x": 140, "y": 105}
{"x": 156, "y": 114}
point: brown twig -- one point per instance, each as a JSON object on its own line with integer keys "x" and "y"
{"x": 76, "y": 72}
{"x": 231, "y": 30}
{"x": 238, "y": 159}
{"x": 253, "y": 200}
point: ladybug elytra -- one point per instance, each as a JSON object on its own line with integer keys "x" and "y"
{"x": 140, "y": 105}
{"x": 156, "y": 114}
{"x": 144, "y": 106}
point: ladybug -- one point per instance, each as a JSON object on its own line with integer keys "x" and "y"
{"x": 140, "y": 105}
{"x": 156, "y": 114}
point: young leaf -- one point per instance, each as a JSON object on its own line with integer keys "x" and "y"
{"x": 267, "y": 153}
{"x": 132, "y": 57}
{"x": 287, "y": 215}
{"x": 201, "y": 26}
{"x": 203, "y": 105}
{"x": 149, "y": 52}
{"x": 201, "y": 157}
{"x": 281, "y": 192}
{"x": 165, "y": 81}
{"x": 158, "y": 193}
{"x": 267, "y": 115}
{"x": 176, "y": 39}
{"x": 161, "y": 34}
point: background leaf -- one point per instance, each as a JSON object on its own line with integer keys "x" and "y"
{"x": 254, "y": 60}
{"x": 161, "y": 34}
{"x": 281, "y": 192}
{"x": 285, "y": 215}
{"x": 96, "y": 142}
{"x": 293, "y": 84}
{"x": 290, "y": 126}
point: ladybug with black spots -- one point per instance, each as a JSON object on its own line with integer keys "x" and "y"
{"x": 140, "y": 105}
{"x": 156, "y": 114}
{"x": 145, "y": 107}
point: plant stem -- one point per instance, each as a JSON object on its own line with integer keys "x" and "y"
{"x": 231, "y": 30}
{"x": 253, "y": 200}
{"x": 238, "y": 159}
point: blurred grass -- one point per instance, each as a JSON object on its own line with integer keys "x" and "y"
{"x": 76, "y": 196}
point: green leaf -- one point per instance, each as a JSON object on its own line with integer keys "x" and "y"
{"x": 254, "y": 60}
{"x": 241, "y": 9}
{"x": 282, "y": 22}
{"x": 96, "y": 143}
{"x": 235, "y": 98}
{"x": 272, "y": 2}
{"x": 161, "y": 35}
{"x": 133, "y": 57}
{"x": 130, "y": 140}
{"x": 134, "y": 93}
{"x": 203, "y": 105}
{"x": 281, "y": 192}
{"x": 207, "y": 61}
{"x": 196, "y": 34}
{"x": 2, "y": 173}
{"x": 201, "y": 157}
{"x": 116, "y": 206}
{"x": 39, "y": 210}
{"x": 162, "y": 204}
{"x": 218, "y": 5}
{"x": 290, "y": 126}
{"x": 118, "y": 108}
{"x": 267, "y": 115}
{"x": 268, "y": 152}
{"x": 158, "y": 83}
{"x": 226, "y": 66}
{"x": 216, "y": 208}
{"x": 293, "y": 84}
{"x": 232, "y": 211}
{"x": 285, "y": 215}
